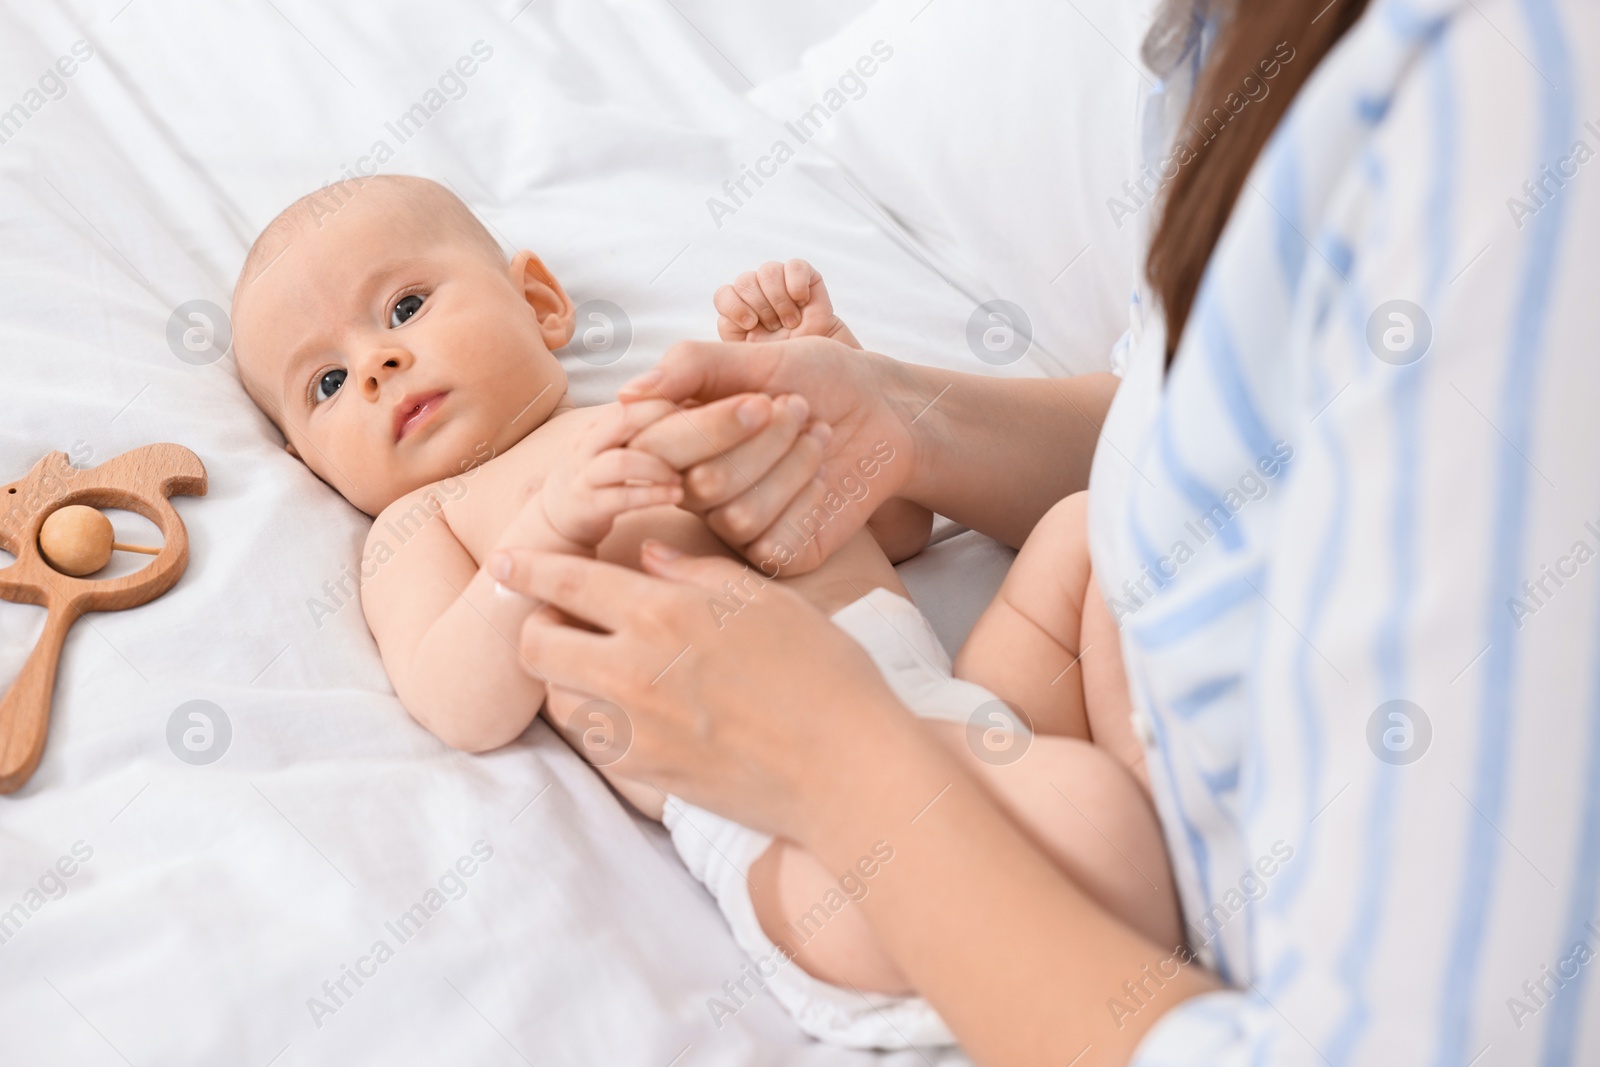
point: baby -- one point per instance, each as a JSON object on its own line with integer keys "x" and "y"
{"x": 410, "y": 365}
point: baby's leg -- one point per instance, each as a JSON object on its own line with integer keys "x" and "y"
{"x": 1076, "y": 802}
{"x": 1025, "y": 646}
{"x": 1049, "y": 645}
{"x": 1105, "y": 686}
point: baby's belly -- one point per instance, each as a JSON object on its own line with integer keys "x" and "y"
{"x": 857, "y": 568}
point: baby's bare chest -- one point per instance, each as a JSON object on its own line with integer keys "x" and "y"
{"x": 480, "y": 503}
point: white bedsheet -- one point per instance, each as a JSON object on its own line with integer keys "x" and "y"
{"x": 218, "y": 899}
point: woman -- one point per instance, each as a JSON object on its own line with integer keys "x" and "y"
{"x": 1340, "y": 513}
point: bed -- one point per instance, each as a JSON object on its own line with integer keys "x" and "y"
{"x": 229, "y": 911}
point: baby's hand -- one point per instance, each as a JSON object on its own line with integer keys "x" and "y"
{"x": 778, "y": 301}
{"x": 600, "y": 479}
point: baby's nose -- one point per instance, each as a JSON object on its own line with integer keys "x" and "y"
{"x": 380, "y": 364}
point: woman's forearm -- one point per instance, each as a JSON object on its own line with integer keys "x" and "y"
{"x": 1027, "y": 962}
{"x": 995, "y": 453}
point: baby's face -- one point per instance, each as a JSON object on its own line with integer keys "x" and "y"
{"x": 395, "y": 350}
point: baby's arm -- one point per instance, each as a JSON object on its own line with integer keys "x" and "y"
{"x": 449, "y": 637}
{"x": 448, "y": 640}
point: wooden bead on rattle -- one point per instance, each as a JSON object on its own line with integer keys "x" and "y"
{"x": 77, "y": 540}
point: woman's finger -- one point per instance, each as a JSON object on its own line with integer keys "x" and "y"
{"x": 562, "y": 654}
{"x": 706, "y": 370}
{"x": 556, "y": 617}
{"x": 721, "y": 478}
{"x": 625, "y": 661}
{"x": 777, "y": 541}
{"x": 694, "y": 435}
{"x": 600, "y": 593}
{"x": 619, "y": 424}
{"x": 771, "y": 277}
{"x": 754, "y": 511}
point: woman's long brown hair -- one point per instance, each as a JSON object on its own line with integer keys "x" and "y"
{"x": 1218, "y": 143}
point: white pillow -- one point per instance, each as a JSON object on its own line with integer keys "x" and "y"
{"x": 1000, "y": 134}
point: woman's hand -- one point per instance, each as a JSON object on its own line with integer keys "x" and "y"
{"x": 751, "y": 498}
{"x": 765, "y": 712}
{"x": 716, "y": 672}
{"x": 991, "y": 453}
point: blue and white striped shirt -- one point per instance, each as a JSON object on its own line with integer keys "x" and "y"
{"x": 1353, "y": 539}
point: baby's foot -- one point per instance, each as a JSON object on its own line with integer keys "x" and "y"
{"x": 778, "y": 301}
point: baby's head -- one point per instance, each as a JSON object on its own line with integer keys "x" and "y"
{"x": 367, "y": 299}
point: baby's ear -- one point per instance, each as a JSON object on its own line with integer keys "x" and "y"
{"x": 550, "y": 303}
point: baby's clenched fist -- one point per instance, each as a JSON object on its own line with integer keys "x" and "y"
{"x": 601, "y": 478}
{"x": 778, "y": 301}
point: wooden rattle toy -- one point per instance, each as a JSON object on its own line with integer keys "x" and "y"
{"x": 49, "y": 521}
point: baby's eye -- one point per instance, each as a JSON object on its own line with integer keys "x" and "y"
{"x": 404, "y": 308}
{"x": 329, "y": 383}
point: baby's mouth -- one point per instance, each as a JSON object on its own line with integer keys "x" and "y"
{"x": 413, "y": 412}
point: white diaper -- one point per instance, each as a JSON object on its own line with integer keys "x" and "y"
{"x": 719, "y": 852}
